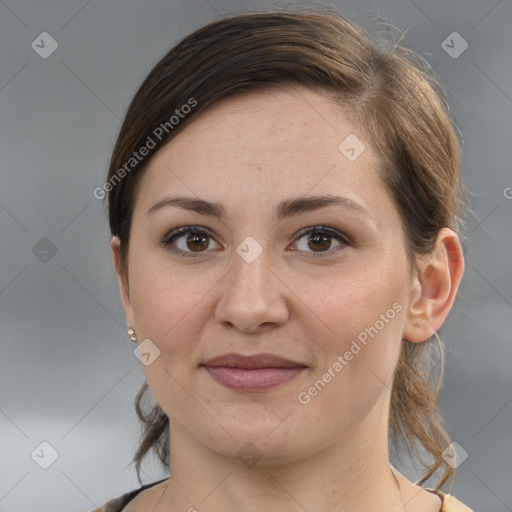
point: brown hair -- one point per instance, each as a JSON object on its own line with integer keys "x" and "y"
{"x": 389, "y": 93}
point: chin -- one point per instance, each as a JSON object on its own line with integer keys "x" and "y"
{"x": 251, "y": 448}
{"x": 271, "y": 439}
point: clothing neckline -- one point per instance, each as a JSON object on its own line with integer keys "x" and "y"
{"x": 437, "y": 492}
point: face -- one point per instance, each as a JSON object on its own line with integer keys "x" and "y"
{"x": 257, "y": 279}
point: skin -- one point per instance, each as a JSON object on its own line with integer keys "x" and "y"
{"x": 250, "y": 152}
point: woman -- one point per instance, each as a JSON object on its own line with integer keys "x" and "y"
{"x": 284, "y": 199}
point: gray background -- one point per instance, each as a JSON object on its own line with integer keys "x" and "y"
{"x": 68, "y": 375}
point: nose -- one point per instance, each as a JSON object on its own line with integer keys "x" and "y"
{"x": 253, "y": 297}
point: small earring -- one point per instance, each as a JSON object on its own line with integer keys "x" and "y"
{"x": 132, "y": 334}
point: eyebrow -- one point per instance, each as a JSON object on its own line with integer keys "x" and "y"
{"x": 285, "y": 209}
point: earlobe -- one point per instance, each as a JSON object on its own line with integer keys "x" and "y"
{"x": 434, "y": 288}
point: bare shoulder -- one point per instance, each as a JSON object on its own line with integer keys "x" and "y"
{"x": 418, "y": 498}
{"x": 430, "y": 502}
{"x": 147, "y": 499}
{"x": 423, "y": 501}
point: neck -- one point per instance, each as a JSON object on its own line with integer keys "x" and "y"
{"x": 351, "y": 475}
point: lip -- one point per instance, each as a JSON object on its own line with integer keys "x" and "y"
{"x": 252, "y": 373}
{"x": 264, "y": 360}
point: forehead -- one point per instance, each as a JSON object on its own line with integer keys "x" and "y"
{"x": 263, "y": 146}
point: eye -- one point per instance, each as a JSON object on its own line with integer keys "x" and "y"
{"x": 188, "y": 238}
{"x": 192, "y": 240}
{"x": 320, "y": 237}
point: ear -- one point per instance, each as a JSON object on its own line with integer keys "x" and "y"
{"x": 115, "y": 244}
{"x": 434, "y": 287}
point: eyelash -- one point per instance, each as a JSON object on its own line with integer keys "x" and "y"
{"x": 194, "y": 230}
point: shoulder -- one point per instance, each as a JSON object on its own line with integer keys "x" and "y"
{"x": 450, "y": 503}
{"x": 130, "y": 501}
{"x": 148, "y": 498}
{"x": 115, "y": 504}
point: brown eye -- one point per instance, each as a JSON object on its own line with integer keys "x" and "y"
{"x": 187, "y": 240}
{"x": 319, "y": 240}
{"x": 197, "y": 241}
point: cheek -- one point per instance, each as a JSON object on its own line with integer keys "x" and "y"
{"x": 365, "y": 317}
{"x": 163, "y": 298}
{"x": 166, "y": 306}
{"x": 357, "y": 376}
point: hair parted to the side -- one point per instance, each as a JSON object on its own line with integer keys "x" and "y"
{"x": 390, "y": 95}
